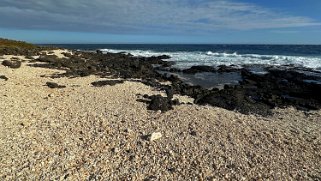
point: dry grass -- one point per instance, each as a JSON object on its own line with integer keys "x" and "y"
{"x": 6, "y": 43}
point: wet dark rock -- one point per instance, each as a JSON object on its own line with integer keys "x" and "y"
{"x": 174, "y": 70}
{"x": 174, "y": 78}
{"x": 99, "y": 52}
{"x": 199, "y": 69}
{"x": 163, "y": 57}
{"x": 12, "y": 64}
{"x": 3, "y": 77}
{"x": 235, "y": 99}
{"x": 106, "y": 82}
{"x": 225, "y": 68}
{"x": 259, "y": 93}
{"x": 54, "y": 85}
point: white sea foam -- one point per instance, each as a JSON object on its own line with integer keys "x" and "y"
{"x": 188, "y": 59}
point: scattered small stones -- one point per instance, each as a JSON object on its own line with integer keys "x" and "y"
{"x": 155, "y": 136}
{"x": 12, "y": 64}
{"x": 3, "y": 77}
{"x": 106, "y": 82}
{"x": 54, "y": 85}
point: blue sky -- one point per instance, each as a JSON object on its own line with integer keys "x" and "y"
{"x": 162, "y": 21}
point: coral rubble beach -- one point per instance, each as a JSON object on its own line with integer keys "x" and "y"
{"x": 86, "y": 116}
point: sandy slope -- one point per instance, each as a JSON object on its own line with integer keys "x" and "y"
{"x": 82, "y": 132}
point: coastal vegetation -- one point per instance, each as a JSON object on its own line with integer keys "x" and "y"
{"x": 7, "y": 43}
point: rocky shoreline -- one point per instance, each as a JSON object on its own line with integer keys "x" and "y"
{"x": 255, "y": 92}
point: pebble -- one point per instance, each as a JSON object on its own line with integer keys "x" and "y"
{"x": 115, "y": 150}
{"x": 155, "y": 136}
{"x": 128, "y": 130}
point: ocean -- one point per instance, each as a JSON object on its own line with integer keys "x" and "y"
{"x": 187, "y": 55}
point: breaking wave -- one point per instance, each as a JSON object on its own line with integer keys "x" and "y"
{"x": 186, "y": 59}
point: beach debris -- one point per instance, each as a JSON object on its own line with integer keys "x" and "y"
{"x": 106, "y": 82}
{"x": 154, "y": 136}
{"x": 54, "y": 85}
{"x": 12, "y": 64}
{"x": 3, "y": 77}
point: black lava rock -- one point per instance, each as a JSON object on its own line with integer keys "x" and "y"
{"x": 163, "y": 57}
{"x": 54, "y": 85}
{"x": 157, "y": 102}
{"x": 12, "y": 64}
{"x": 106, "y": 82}
{"x": 199, "y": 69}
{"x": 169, "y": 93}
{"x": 3, "y": 77}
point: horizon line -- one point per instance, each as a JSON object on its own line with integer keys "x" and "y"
{"x": 139, "y": 43}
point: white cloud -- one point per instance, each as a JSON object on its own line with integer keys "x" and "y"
{"x": 144, "y": 16}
